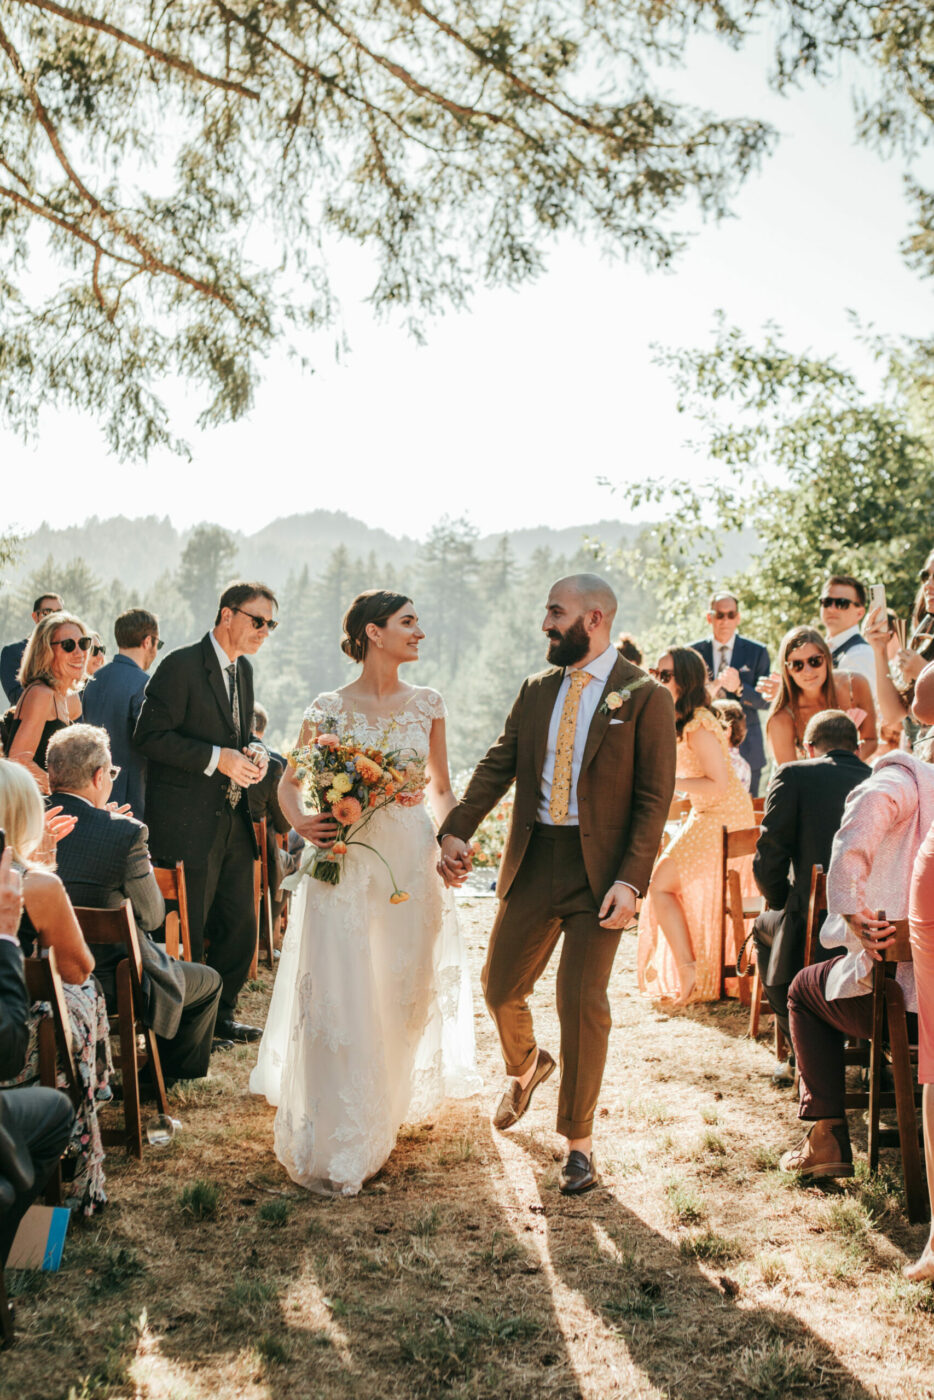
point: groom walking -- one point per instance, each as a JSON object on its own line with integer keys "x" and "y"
{"x": 590, "y": 744}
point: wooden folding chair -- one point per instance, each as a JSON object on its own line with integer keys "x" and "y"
{"x": 282, "y": 842}
{"x": 888, "y": 1012}
{"x": 259, "y": 866}
{"x": 735, "y": 911}
{"x": 264, "y": 930}
{"x": 758, "y": 805}
{"x": 817, "y": 905}
{"x": 53, "y": 1033}
{"x": 171, "y": 882}
{"x": 117, "y": 927}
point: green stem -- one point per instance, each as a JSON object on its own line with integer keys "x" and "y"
{"x": 395, "y": 887}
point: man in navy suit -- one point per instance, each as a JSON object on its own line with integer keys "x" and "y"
{"x": 734, "y": 665}
{"x": 113, "y": 699}
{"x": 11, "y": 657}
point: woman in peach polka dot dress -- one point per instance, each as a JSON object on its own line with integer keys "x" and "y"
{"x": 679, "y": 927}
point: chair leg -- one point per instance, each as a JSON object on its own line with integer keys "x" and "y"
{"x": 779, "y": 1043}
{"x": 6, "y": 1316}
{"x": 755, "y": 1007}
{"x": 155, "y": 1069}
{"x": 905, "y": 1104}
{"x": 129, "y": 1063}
{"x": 875, "y": 1065}
{"x": 268, "y": 929}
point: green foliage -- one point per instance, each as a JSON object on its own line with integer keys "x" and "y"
{"x": 200, "y": 1200}
{"x": 827, "y": 478}
{"x": 274, "y": 1213}
{"x": 206, "y": 565}
{"x": 150, "y": 152}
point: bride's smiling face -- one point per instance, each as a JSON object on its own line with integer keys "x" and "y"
{"x": 400, "y": 637}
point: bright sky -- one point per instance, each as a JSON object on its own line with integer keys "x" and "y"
{"x": 513, "y": 410}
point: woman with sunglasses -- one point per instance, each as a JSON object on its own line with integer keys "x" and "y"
{"x": 97, "y": 656}
{"x": 51, "y": 674}
{"x": 807, "y": 684}
{"x": 683, "y": 903}
{"x": 896, "y": 676}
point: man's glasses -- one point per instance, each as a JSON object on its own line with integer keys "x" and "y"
{"x": 257, "y": 622}
{"x": 69, "y": 644}
{"x": 841, "y": 603}
{"x": 114, "y": 772}
{"x": 800, "y": 662}
{"x": 47, "y": 612}
{"x": 159, "y": 643}
{"x": 100, "y": 650}
{"x": 664, "y": 675}
{"x": 723, "y": 616}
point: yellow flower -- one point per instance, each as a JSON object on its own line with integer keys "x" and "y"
{"x": 342, "y": 783}
{"x": 333, "y": 795}
{"x": 399, "y": 897}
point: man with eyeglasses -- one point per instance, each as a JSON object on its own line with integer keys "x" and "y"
{"x": 842, "y": 609}
{"x": 196, "y": 729}
{"x": 11, "y": 656}
{"x": 113, "y": 699}
{"x": 735, "y": 664}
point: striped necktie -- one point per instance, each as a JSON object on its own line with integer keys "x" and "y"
{"x": 564, "y": 748}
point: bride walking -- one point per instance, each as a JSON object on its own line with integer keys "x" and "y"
{"x": 371, "y": 1020}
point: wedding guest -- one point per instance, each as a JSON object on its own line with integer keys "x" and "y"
{"x": 104, "y": 861}
{"x": 896, "y": 675}
{"x": 842, "y": 609}
{"x": 803, "y": 809}
{"x": 97, "y": 657}
{"x": 679, "y": 926}
{"x": 629, "y": 649}
{"x": 731, "y": 716}
{"x": 35, "y": 1123}
{"x": 884, "y": 823}
{"x": 735, "y": 665}
{"x": 808, "y": 684}
{"x": 49, "y": 922}
{"x": 194, "y": 728}
{"x": 51, "y": 674}
{"x": 11, "y": 656}
{"x": 115, "y": 697}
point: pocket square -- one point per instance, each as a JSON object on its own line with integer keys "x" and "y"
{"x": 744, "y": 668}
{"x": 617, "y": 721}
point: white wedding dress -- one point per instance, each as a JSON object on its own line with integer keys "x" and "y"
{"x": 371, "y": 1020}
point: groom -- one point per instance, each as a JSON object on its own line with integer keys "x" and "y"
{"x": 590, "y": 744}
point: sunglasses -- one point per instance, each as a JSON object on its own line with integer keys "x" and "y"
{"x": 841, "y": 603}
{"x": 159, "y": 643}
{"x": 257, "y": 622}
{"x": 70, "y": 643}
{"x": 799, "y": 664}
{"x": 664, "y": 675}
{"x": 99, "y": 650}
{"x": 924, "y": 575}
{"x": 722, "y": 616}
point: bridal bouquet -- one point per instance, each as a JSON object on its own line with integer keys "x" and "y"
{"x": 350, "y": 783}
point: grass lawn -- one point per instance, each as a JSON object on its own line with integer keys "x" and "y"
{"x": 696, "y": 1270}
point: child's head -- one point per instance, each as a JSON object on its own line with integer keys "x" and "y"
{"x": 731, "y": 716}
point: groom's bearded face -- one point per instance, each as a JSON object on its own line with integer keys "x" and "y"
{"x": 570, "y": 646}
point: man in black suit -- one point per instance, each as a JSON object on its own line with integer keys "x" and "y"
{"x": 803, "y": 810}
{"x": 105, "y": 861}
{"x": 113, "y": 698}
{"x": 35, "y": 1124}
{"x": 194, "y": 727}
{"x": 11, "y": 657}
{"x": 735, "y": 664}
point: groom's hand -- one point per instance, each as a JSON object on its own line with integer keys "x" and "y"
{"x": 455, "y": 863}
{"x": 618, "y": 908}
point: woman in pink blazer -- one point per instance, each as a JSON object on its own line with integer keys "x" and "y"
{"x": 921, "y": 919}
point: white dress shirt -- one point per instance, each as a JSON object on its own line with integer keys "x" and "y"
{"x": 600, "y": 668}
{"x": 225, "y": 661}
{"x": 859, "y": 659}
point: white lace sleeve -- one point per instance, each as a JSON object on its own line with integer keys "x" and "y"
{"x": 431, "y": 704}
{"x": 323, "y": 711}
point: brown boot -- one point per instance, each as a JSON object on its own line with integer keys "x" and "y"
{"x": 824, "y": 1151}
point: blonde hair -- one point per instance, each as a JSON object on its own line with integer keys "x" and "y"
{"x": 40, "y": 654}
{"x": 22, "y": 814}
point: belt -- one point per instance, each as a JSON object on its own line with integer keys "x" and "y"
{"x": 567, "y": 832}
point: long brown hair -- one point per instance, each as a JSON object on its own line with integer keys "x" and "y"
{"x": 790, "y": 690}
{"x": 690, "y": 676}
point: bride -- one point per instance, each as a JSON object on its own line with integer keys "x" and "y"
{"x": 371, "y": 1020}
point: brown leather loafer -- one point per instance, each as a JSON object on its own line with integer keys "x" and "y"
{"x": 577, "y": 1175}
{"x": 515, "y": 1099}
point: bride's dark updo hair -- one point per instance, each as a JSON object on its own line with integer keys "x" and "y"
{"x": 375, "y": 605}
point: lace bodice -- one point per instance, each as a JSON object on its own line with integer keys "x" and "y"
{"x": 408, "y": 726}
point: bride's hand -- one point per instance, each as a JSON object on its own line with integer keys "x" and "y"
{"x": 320, "y": 829}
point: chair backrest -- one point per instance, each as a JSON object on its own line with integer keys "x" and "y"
{"x": 739, "y": 843}
{"x": 679, "y": 809}
{"x": 900, "y": 951}
{"x": 758, "y": 804}
{"x": 171, "y": 882}
{"x": 115, "y": 927}
{"x": 817, "y": 905}
{"x": 44, "y": 983}
{"x": 259, "y": 829}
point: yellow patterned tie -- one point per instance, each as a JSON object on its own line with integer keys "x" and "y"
{"x": 564, "y": 748}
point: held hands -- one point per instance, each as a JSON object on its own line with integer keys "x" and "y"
{"x": 319, "y": 828}
{"x": 239, "y": 768}
{"x": 769, "y": 686}
{"x": 874, "y": 934}
{"x": 618, "y": 908}
{"x": 455, "y": 863}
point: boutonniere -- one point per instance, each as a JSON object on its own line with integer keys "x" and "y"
{"x": 617, "y": 698}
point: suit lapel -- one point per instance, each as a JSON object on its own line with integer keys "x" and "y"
{"x": 545, "y": 704}
{"x": 217, "y": 679}
{"x": 601, "y": 721}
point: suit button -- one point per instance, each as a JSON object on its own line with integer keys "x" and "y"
{"x": 528, "y": 826}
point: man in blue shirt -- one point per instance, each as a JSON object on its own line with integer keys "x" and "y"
{"x": 734, "y": 665}
{"x": 11, "y": 657}
{"x": 113, "y": 699}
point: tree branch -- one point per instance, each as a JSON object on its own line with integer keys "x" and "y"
{"x": 43, "y": 212}
{"x": 183, "y": 65}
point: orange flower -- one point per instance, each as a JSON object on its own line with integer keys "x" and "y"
{"x": 399, "y": 897}
{"x": 347, "y": 811}
{"x": 369, "y": 771}
{"x": 339, "y": 848}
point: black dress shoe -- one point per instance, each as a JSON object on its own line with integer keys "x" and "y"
{"x": 577, "y": 1175}
{"x": 219, "y": 1043}
{"x": 237, "y": 1030}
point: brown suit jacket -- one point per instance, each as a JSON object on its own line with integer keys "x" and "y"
{"x": 626, "y": 782}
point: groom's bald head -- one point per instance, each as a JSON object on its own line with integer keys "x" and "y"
{"x": 578, "y": 618}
